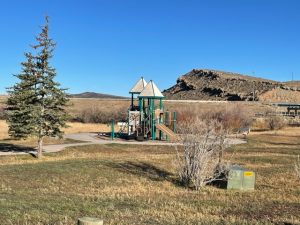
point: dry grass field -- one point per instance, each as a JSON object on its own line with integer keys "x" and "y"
{"x": 128, "y": 184}
{"x": 71, "y": 129}
{"x": 110, "y": 105}
{"x": 138, "y": 185}
{"x": 113, "y": 107}
{"x": 107, "y": 105}
{"x": 6, "y": 142}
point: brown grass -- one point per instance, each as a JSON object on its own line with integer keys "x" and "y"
{"x": 71, "y": 129}
{"x": 86, "y": 127}
{"x": 184, "y": 111}
{"x": 137, "y": 185}
{"x": 79, "y": 105}
{"x": 32, "y": 142}
{"x": 80, "y": 108}
{"x": 3, "y": 130}
{"x": 126, "y": 184}
{"x": 285, "y": 132}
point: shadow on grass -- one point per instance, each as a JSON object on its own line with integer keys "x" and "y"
{"x": 6, "y": 147}
{"x": 145, "y": 170}
{"x": 154, "y": 173}
{"x": 221, "y": 184}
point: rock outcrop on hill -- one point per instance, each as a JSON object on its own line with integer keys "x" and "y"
{"x": 206, "y": 84}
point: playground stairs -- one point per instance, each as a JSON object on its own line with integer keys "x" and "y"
{"x": 123, "y": 129}
{"x": 166, "y": 130}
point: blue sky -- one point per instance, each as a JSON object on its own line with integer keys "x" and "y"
{"x": 106, "y": 45}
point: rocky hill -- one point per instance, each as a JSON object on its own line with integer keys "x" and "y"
{"x": 203, "y": 84}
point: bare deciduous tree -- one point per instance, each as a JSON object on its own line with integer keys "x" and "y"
{"x": 201, "y": 161}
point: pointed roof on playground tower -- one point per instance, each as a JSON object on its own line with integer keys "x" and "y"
{"x": 151, "y": 91}
{"x": 138, "y": 87}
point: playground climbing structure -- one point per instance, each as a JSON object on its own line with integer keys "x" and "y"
{"x": 147, "y": 118}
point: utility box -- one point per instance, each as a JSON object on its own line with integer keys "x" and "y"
{"x": 240, "y": 179}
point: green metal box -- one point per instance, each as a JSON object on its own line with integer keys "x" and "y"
{"x": 240, "y": 179}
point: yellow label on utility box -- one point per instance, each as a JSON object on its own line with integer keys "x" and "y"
{"x": 248, "y": 173}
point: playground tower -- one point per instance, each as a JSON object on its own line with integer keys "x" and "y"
{"x": 147, "y": 118}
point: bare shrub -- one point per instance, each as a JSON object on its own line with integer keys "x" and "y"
{"x": 184, "y": 116}
{"x": 276, "y": 122}
{"x": 259, "y": 124}
{"x": 297, "y": 167}
{"x": 232, "y": 117}
{"x": 187, "y": 115}
{"x": 96, "y": 115}
{"x": 201, "y": 161}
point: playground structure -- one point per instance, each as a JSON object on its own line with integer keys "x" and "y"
{"x": 146, "y": 118}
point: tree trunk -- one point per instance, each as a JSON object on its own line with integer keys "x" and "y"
{"x": 40, "y": 148}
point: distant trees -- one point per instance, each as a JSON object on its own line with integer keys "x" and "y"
{"x": 35, "y": 106}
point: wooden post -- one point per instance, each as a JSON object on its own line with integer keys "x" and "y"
{"x": 89, "y": 221}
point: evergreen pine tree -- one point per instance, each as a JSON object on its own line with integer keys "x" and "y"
{"x": 36, "y": 104}
{"x": 21, "y": 101}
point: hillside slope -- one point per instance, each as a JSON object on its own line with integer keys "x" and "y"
{"x": 206, "y": 84}
{"x": 95, "y": 95}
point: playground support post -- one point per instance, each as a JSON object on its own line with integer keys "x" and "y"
{"x": 153, "y": 119}
{"x": 141, "y": 106}
{"x": 160, "y": 118}
{"x": 160, "y": 104}
{"x": 132, "y": 99}
{"x": 112, "y": 129}
{"x": 174, "y": 122}
{"x": 128, "y": 116}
